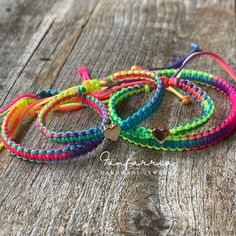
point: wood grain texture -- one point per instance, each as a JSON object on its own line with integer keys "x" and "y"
{"x": 41, "y": 45}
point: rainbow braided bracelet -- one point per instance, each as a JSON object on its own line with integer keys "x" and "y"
{"x": 160, "y": 133}
{"x": 12, "y": 121}
{"x": 145, "y": 138}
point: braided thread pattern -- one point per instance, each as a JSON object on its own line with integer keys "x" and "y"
{"x": 76, "y": 136}
{"x": 178, "y": 131}
{"x": 41, "y": 155}
{"x": 142, "y": 136}
{"x": 148, "y": 109}
{"x": 92, "y": 86}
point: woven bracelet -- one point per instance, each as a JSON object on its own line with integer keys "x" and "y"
{"x": 144, "y": 137}
{"x": 160, "y": 133}
{"x": 11, "y": 126}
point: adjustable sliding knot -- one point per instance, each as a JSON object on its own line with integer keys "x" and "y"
{"x": 169, "y": 86}
{"x": 91, "y": 86}
{"x": 165, "y": 81}
{"x": 83, "y": 71}
{"x": 47, "y": 93}
{"x": 173, "y": 81}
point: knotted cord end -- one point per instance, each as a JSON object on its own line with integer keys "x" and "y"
{"x": 91, "y": 86}
{"x": 84, "y": 72}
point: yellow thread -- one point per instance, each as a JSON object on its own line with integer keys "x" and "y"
{"x": 72, "y": 104}
{"x": 147, "y": 88}
{"x": 185, "y": 99}
{"x": 1, "y": 146}
{"x": 93, "y": 85}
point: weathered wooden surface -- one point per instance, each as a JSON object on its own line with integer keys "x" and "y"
{"x": 41, "y": 45}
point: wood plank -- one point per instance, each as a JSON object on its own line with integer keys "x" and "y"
{"x": 189, "y": 193}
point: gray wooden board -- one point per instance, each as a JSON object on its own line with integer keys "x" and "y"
{"x": 188, "y": 193}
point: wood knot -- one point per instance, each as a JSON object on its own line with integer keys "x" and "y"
{"x": 149, "y": 222}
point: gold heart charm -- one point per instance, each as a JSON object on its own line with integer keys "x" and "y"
{"x": 112, "y": 131}
{"x": 160, "y": 133}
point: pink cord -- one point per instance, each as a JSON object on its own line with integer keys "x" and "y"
{"x": 217, "y": 58}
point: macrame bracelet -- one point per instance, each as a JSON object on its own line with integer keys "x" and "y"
{"x": 11, "y": 126}
{"x": 39, "y": 99}
{"x": 144, "y": 137}
{"x": 76, "y": 136}
{"x": 177, "y": 131}
{"x": 93, "y": 87}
